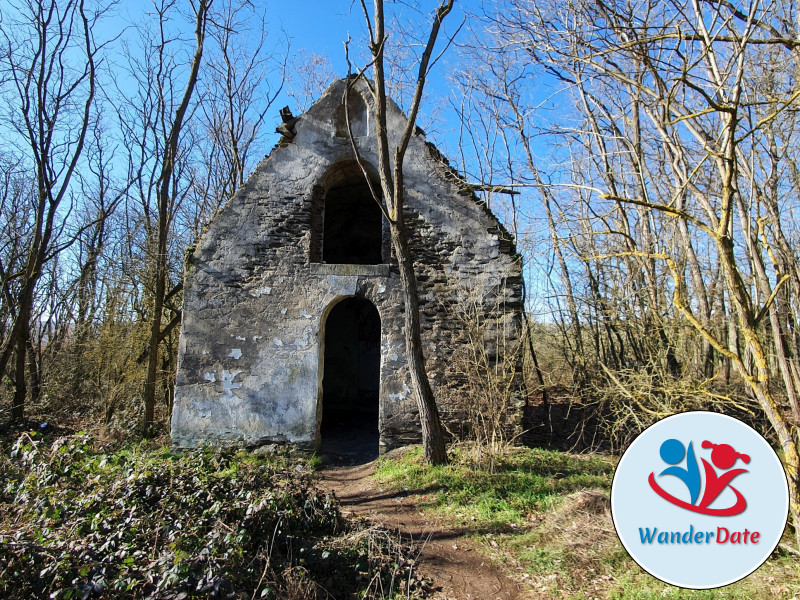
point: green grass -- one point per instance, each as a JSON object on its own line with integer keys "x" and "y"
{"x": 546, "y": 514}
{"x": 527, "y": 482}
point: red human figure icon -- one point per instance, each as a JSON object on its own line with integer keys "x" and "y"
{"x": 724, "y": 457}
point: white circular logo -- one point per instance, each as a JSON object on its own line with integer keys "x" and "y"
{"x": 699, "y": 500}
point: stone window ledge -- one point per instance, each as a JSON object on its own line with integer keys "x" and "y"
{"x": 359, "y": 270}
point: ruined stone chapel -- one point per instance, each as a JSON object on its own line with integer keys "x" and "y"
{"x": 293, "y": 314}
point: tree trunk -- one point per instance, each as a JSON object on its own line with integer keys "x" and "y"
{"x": 164, "y": 197}
{"x": 34, "y": 363}
{"x": 432, "y": 435}
{"x": 20, "y": 389}
{"x": 392, "y": 206}
{"x": 151, "y": 382}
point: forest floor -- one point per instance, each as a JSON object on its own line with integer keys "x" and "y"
{"x": 535, "y": 525}
{"x": 449, "y": 558}
{"x": 79, "y": 515}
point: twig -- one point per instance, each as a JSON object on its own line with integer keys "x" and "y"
{"x": 789, "y": 549}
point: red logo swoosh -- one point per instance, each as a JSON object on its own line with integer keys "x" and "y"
{"x": 737, "y": 508}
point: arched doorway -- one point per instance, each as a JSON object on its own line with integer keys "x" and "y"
{"x": 351, "y": 380}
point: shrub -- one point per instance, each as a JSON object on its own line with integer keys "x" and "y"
{"x": 141, "y": 523}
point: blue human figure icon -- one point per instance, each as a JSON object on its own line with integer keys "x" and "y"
{"x": 672, "y": 452}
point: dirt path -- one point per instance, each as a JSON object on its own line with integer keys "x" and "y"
{"x": 448, "y": 558}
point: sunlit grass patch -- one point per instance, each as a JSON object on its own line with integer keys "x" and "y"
{"x": 525, "y": 482}
{"x": 546, "y": 516}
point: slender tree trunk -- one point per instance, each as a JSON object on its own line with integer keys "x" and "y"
{"x": 151, "y": 383}
{"x": 393, "y": 189}
{"x": 164, "y": 204}
{"x": 17, "y": 340}
{"x": 435, "y": 452}
{"x": 34, "y": 363}
{"x": 20, "y": 387}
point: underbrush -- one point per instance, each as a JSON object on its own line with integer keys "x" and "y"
{"x": 81, "y": 522}
{"x": 546, "y": 515}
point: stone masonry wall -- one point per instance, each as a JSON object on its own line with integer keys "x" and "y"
{"x": 255, "y": 299}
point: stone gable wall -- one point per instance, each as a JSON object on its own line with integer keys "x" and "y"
{"x": 255, "y": 304}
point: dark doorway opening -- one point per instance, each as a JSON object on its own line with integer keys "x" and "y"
{"x": 353, "y": 226}
{"x": 351, "y": 382}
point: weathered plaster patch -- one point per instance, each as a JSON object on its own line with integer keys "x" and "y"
{"x": 236, "y": 353}
{"x": 401, "y": 395}
{"x": 227, "y": 382}
{"x": 343, "y": 285}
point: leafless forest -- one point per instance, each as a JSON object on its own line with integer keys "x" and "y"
{"x": 643, "y": 153}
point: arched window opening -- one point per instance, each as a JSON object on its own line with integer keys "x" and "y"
{"x": 352, "y": 226}
{"x": 346, "y": 221}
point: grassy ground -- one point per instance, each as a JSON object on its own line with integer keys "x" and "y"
{"x": 546, "y": 515}
{"x": 82, "y": 521}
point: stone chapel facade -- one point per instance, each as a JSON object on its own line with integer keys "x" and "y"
{"x": 293, "y": 314}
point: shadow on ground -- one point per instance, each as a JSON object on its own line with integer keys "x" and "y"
{"x": 452, "y": 559}
{"x": 349, "y": 444}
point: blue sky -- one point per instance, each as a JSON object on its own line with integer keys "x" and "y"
{"x": 319, "y": 27}
{"x": 324, "y": 25}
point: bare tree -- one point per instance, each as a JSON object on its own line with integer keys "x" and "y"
{"x": 487, "y": 150}
{"x": 164, "y": 203}
{"x": 677, "y": 160}
{"x": 17, "y": 191}
{"x": 311, "y": 76}
{"x": 153, "y": 121}
{"x": 243, "y": 77}
{"x": 390, "y": 172}
{"x": 49, "y": 57}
